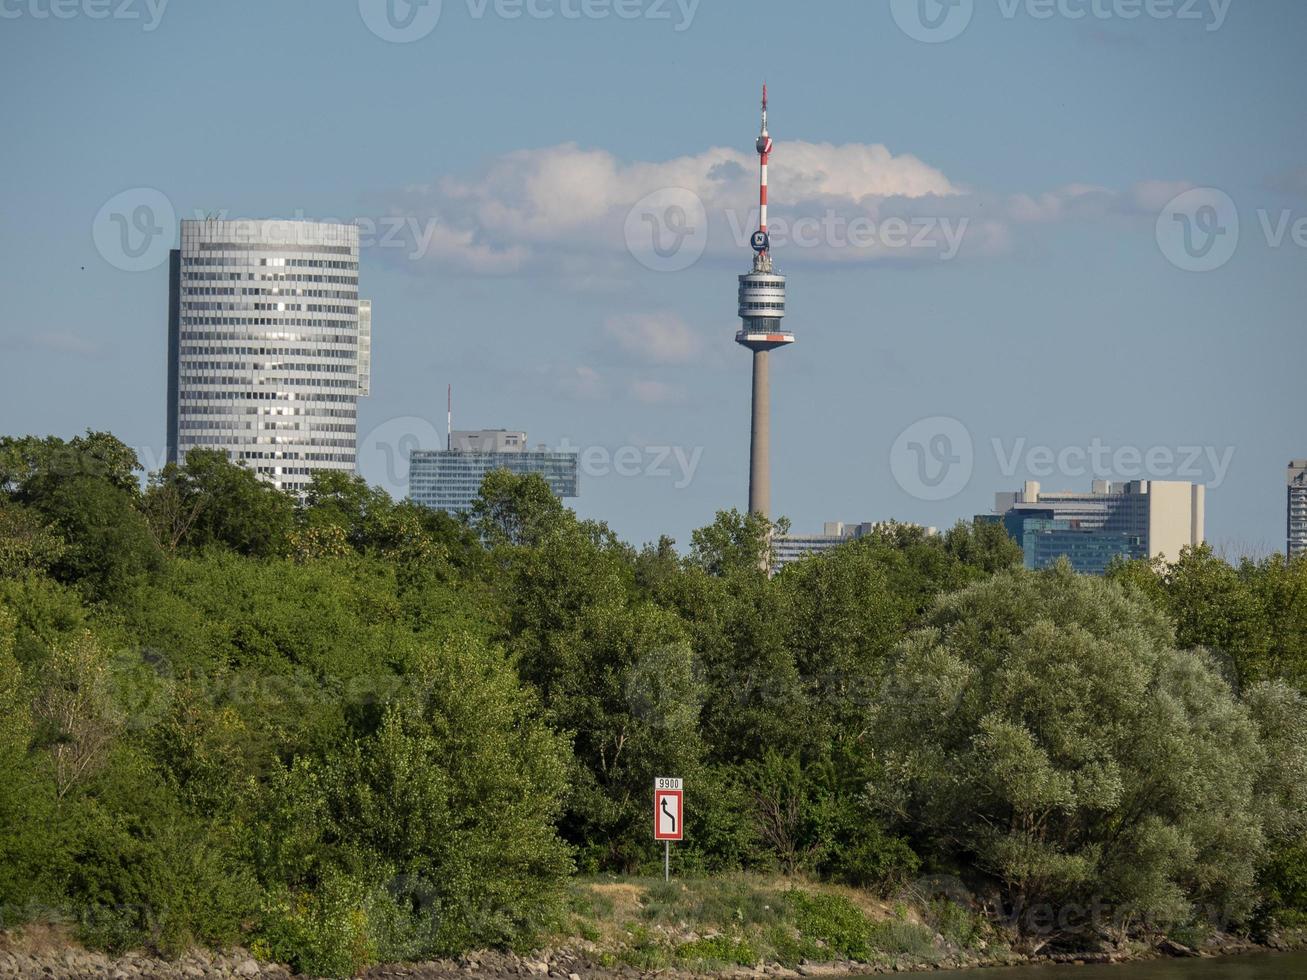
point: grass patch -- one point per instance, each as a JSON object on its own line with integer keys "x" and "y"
{"x": 706, "y": 924}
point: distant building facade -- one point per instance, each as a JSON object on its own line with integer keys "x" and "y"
{"x": 1139, "y": 519}
{"x": 788, "y": 548}
{"x": 449, "y": 479}
{"x": 269, "y": 346}
{"x": 1297, "y": 484}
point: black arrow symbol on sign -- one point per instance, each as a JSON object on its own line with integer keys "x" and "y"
{"x": 668, "y": 814}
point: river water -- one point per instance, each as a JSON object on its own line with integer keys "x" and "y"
{"x": 1269, "y": 966}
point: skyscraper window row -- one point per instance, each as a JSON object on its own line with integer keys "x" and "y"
{"x": 264, "y": 336}
{"x": 242, "y": 249}
{"x": 284, "y": 367}
{"x": 289, "y": 398}
{"x": 188, "y": 350}
{"x": 262, "y": 321}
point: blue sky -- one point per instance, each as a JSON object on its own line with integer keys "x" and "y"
{"x": 498, "y": 159}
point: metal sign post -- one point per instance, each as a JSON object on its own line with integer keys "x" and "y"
{"x": 669, "y": 817}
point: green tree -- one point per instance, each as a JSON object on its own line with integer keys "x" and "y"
{"x": 1044, "y": 730}
{"x": 516, "y": 510}
{"x": 27, "y": 844}
{"x": 209, "y": 500}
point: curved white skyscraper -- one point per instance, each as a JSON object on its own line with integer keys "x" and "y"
{"x": 268, "y": 346}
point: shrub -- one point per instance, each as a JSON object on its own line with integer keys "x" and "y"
{"x": 711, "y": 950}
{"x": 832, "y": 920}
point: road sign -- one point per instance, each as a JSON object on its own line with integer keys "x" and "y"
{"x": 668, "y": 810}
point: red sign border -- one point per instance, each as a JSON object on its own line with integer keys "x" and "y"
{"x": 680, "y": 809}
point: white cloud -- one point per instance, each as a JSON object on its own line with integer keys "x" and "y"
{"x": 581, "y": 382}
{"x": 659, "y": 338}
{"x": 564, "y": 210}
{"x": 651, "y": 392}
{"x": 542, "y": 208}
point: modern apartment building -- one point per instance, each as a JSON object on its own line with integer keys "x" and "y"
{"x": 1297, "y": 520}
{"x": 269, "y": 346}
{"x": 449, "y": 479}
{"x": 1139, "y": 519}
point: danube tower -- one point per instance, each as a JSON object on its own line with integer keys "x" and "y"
{"x": 762, "y": 305}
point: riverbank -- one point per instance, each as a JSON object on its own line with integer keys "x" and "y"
{"x": 729, "y": 927}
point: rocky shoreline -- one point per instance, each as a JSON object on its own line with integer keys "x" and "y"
{"x": 72, "y": 963}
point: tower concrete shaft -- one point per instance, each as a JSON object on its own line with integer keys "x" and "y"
{"x": 760, "y": 438}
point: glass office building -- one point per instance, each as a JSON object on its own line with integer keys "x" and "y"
{"x": 1138, "y": 519}
{"x": 268, "y": 346}
{"x": 449, "y": 479}
{"x": 1045, "y": 538}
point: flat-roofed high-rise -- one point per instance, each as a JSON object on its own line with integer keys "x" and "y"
{"x": 1297, "y": 484}
{"x": 267, "y": 357}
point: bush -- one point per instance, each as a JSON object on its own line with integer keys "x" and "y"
{"x": 334, "y": 931}
{"x": 833, "y": 921}
{"x": 714, "y": 950}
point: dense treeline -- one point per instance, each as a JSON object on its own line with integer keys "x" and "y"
{"x": 346, "y": 728}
